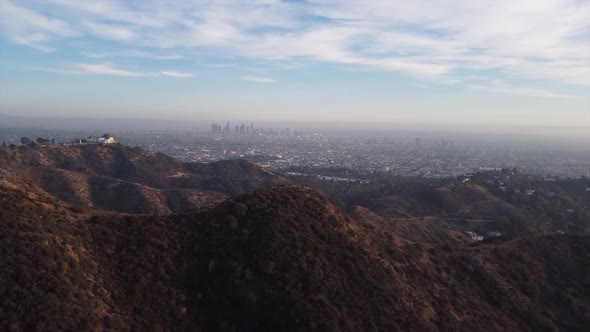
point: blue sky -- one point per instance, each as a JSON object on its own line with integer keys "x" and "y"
{"x": 447, "y": 62}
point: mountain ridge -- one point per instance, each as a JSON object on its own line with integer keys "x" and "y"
{"x": 103, "y": 177}
{"x": 282, "y": 257}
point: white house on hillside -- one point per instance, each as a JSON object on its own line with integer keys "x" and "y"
{"x": 474, "y": 236}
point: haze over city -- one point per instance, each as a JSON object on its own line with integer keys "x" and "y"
{"x": 458, "y": 64}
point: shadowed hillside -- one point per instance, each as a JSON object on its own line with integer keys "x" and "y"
{"x": 283, "y": 258}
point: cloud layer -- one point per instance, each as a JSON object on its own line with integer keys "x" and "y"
{"x": 442, "y": 41}
{"x": 258, "y": 79}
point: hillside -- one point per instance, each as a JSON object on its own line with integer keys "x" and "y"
{"x": 504, "y": 202}
{"x": 282, "y": 258}
{"x": 130, "y": 180}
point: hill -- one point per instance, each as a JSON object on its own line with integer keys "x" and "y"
{"x": 130, "y": 180}
{"x": 281, "y": 258}
{"x": 505, "y": 202}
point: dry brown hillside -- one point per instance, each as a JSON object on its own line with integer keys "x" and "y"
{"x": 282, "y": 258}
{"x": 130, "y": 180}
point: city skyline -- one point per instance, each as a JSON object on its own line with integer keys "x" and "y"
{"x": 519, "y": 63}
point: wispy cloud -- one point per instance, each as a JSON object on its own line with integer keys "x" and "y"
{"x": 218, "y": 65}
{"x": 108, "y": 69}
{"x": 27, "y": 27}
{"x": 147, "y": 14}
{"x": 32, "y": 42}
{"x": 175, "y": 74}
{"x": 434, "y": 40}
{"x": 133, "y": 54}
{"x": 110, "y": 31}
{"x": 55, "y": 70}
{"x": 258, "y": 79}
{"x": 519, "y": 91}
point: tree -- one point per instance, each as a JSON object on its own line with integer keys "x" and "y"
{"x": 25, "y": 141}
{"x": 42, "y": 141}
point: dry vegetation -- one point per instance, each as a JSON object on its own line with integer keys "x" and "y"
{"x": 129, "y": 180}
{"x": 281, "y": 258}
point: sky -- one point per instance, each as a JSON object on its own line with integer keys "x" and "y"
{"x": 485, "y": 63}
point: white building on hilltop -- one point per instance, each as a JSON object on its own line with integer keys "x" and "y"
{"x": 107, "y": 139}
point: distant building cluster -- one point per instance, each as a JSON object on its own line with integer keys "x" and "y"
{"x": 243, "y": 129}
{"x": 363, "y": 156}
